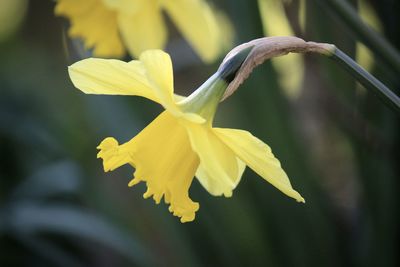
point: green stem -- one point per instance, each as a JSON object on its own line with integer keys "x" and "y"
{"x": 371, "y": 38}
{"x": 366, "y": 79}
{"x": 204, "y": 101}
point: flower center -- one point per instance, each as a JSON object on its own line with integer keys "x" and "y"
{"x": 204, "y": 100}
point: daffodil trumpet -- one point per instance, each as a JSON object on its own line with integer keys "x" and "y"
{"x": 181, "y": 143}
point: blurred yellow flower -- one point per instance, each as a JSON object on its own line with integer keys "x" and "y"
{"x": 12, "y": 14}
{"x": 110, "y": 26}
{"x": 290, "y": 68}
{"x": 364, "y": 55}
{"x": 181, "y": 142}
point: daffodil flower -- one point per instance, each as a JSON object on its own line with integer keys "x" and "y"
{"x": 110, "y": 26}
{"x": 181, "y": 142}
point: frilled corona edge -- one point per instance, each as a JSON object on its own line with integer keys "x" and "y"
{"x": 151, "y": 153}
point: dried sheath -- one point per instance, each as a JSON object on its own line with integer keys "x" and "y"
{"x": 266, "y": 48}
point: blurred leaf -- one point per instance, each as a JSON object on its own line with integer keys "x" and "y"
{"x": 31, "y": 219}
{"x": 49, "y": 252}
{"x": 56, "y": 179}
{"x": 18, "y": 123}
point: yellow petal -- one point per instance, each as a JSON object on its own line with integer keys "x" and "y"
{"x": 219, "y": 170}
{"x": 130, "y": 6}
{"x": 111, "y": 77}
{"x": 258, "y": 156}
{"x": 163, "y": 158}
{"x": 95, "y": 23}
{"x": 143, "y": 29}
{"x": 198, "y": 24}
{"x": 212, "y": 184}
{"x": 159, "y": 73}
{"x": 151, "y": 78}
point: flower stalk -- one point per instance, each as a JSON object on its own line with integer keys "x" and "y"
{"x": 204, "y": 101}
{"x": 268, "y": 47}
{"x": 367, "y": 80}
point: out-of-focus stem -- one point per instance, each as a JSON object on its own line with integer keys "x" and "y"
{"x": 381, "y": 47}
{"x": 367, "y": 80}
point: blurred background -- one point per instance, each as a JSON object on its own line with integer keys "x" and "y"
{"x": 338, "y": 143}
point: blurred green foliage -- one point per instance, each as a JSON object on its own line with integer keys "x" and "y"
{"x": 339, "y": 146}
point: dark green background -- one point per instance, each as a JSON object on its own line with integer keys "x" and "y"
{"x": 339, "y": 146}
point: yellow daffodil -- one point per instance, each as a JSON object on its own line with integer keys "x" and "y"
{"x": 110, "y": 26}
{"x": 181, "y": 142}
